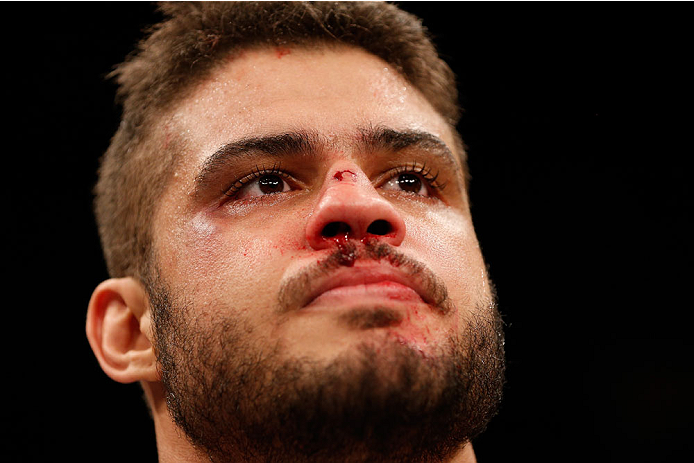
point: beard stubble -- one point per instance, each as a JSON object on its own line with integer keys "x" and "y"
{"x": 239, "y": 399}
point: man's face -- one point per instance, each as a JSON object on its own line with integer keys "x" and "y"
{"x": 318, "y": 212}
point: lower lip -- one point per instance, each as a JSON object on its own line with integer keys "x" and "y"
{"x": 383, "y": 291}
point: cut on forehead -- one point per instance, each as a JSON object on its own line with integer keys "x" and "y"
{"x": 196, "y": 36}
{"x": 260, "y": 79}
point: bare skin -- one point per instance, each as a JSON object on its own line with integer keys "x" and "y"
{"x": 240, "y": 247}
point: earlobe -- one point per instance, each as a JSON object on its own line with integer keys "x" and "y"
{"x": 119, "y": 331}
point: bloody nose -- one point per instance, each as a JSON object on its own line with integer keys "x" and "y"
{"x": 349, "y": 207}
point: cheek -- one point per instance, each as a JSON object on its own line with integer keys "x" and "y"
{"x": 446, "y": 241}
{"x": 234, "y": 257}
{"x": 259, "y": 242}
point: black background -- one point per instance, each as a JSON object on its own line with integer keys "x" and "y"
{"x": 576, "y": 117}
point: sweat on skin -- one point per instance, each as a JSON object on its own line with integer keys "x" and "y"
{"x": 242, "y": 220}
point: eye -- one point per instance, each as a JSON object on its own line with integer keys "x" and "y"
{"x": 260, "y": 182}
{"x": 408, "y": 182}
{"x": 266, "y": 184}
{"x": 414, "y": 178}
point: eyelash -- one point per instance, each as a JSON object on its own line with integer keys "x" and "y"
{"x": 256, "y": 173}
{"x": 422, "y": 170}
{"x": 410, "y": 168}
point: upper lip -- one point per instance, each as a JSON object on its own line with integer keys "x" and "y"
{"x": 363, "y": 275}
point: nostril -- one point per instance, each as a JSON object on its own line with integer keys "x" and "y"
{"x": 379, "y": 227}
{"x": 334, "y": 229}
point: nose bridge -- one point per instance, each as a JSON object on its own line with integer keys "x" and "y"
{"x": 346, "y": 180}
{"x": 348, "y": 195}
{"x": 349, "y": 207}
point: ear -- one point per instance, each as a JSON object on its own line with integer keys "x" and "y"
{"x": 119, "y": 331}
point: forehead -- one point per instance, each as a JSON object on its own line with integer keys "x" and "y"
{"x": 273, "y": 90}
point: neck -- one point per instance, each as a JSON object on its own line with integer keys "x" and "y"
{"x": 172, "y": 444}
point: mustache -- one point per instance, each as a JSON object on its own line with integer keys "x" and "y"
{"x": 293, "y": 290}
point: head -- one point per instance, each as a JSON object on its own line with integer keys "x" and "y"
{"x": 284, "y": 213}
{"x": 184, "y": 50}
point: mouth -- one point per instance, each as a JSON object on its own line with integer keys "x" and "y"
{"x": 363, "y": 285}
{"x": 372, "y": 276}
{"x": 366, "y": 285}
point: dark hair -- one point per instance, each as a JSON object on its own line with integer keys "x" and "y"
{"x": 186, "y": 47}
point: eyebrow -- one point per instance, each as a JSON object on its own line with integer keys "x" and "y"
{"x": 278, "y": 146}
{"x": 371, "y": 139}
{"x": 387, "y": 139}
